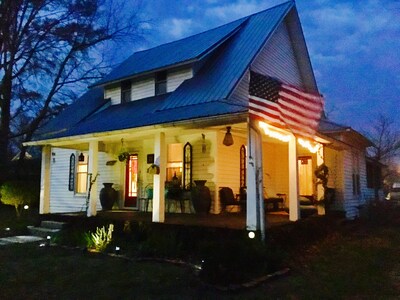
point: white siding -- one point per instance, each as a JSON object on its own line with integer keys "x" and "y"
{"x": 114, "y": 93}
{"x": 63, "y": 200}
{"x": 142, "y": 88}
{"x": 175, "y": 78}
{"x": 276, "y": 59}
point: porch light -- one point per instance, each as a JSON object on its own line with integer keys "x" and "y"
{"x": 307, "y": 144}
{"x": 81, "y": 157}
{"x": 274, "y": 133}
{"x": 228, "y": 139}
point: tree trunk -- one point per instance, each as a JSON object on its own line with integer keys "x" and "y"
{"x": 5, "y": 95}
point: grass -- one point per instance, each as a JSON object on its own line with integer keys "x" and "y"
{"x": 339, "y": 261}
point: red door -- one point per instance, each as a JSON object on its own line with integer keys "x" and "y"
{"x": 131, "y": 181}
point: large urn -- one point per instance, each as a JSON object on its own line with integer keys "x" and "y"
{"x": 201, "y": 197}
{"x": 108, "y": 196}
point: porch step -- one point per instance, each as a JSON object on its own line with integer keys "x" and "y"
{"x": 46, "y": 228}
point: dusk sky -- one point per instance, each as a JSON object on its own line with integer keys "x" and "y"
{"x": 354, "y": 46}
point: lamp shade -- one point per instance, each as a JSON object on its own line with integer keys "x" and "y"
{"x": 228, "y": 139}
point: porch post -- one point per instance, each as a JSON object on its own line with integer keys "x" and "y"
{"x": 255, "y": 197}
{"x": 160, "y": 155}
{"x": 44, "y": 207}
{"x": 93, "y": 169}
{"x": 294, "y": 209}
{"x": 320, "y": 189}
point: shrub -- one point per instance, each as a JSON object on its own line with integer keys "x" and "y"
{"x": 19, "y": 193}
{"x": 100, "y": 239}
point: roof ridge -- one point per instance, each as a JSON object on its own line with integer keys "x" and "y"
{"x": 242, "y": 19}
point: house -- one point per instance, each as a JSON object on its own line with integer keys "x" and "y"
{"x": 169, "y": 109}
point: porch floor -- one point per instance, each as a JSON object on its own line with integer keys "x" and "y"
{"x": 224, "y": 220}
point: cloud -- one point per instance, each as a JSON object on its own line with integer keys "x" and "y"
{"x": 178, "y": 28}
{"x": 237, "y": 9}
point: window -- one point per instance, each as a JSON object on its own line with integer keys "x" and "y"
{"x": 373, "y": 175}
{"x": 82, "y": 175}
{"x": 356, "y": 174}
{"x": 161, "y": 83}
{"x": 126, "y": 87}
{"x": 174, "y": 162}
{"x": 242, "y": 166}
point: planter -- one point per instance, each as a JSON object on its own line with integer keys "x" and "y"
{"x": 201, "y": 197}
{"x": 108, "y": 196}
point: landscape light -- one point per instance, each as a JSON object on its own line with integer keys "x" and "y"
{"x": 7, "y": 229}
{"x": 252, "y": 235}
{"x": 26, "y": 206}
{"x": 117, "y": 250}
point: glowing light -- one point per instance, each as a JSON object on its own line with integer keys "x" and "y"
{"x": 117, "y": 249}
{"x": 7, "y": 229}
{"x": 252, "y": 235}
{"x": 274, "y": 133}
{"x": 309, "y": 146}
{"x": 26, "y": 206}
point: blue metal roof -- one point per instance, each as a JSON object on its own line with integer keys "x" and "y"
{"x": 226, "y": 52}
{"x": 184, "y": 50}
{"x": 140, "y": 113}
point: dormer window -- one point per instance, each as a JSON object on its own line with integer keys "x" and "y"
{"x": 126, "y": 88}
{"x": 161, "y": 83}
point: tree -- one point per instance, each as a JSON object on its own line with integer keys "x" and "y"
{"x": 48, "y": 50}
{"x": 385, "y": 137}
{"x": 18, "y": 194}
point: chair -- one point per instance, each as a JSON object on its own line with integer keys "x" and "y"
{"x": 227, "y": 197}
{"x": 149, "y": 195}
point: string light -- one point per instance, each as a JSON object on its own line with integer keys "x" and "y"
{"x": 309, "y": 146}
{"x": 273, "y": 133}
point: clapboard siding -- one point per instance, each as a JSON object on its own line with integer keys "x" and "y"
{"x": 175, "y": 78}
{"x": 276, "y": 59}
{"x": 63, "y": 200}
{"x": 143, "y": 88}
{"x": 114, "y": 93}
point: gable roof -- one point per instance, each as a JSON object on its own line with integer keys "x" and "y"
{"x": 227, "y": 53}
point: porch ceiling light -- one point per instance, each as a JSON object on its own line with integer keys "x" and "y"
{"x": 228, "y": 139}
{"x": 274, "y": 133}
{"x": 307, "y": 144}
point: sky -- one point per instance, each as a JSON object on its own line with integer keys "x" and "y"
{"x": 354, "y": 47}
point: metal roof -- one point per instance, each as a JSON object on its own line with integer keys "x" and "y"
{"x": 226, "y": 53}
{"x": 184, "y": 50}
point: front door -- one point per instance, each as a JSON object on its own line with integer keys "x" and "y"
{"x": 131, "y": 181}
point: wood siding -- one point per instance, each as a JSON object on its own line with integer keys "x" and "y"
{"x": 277, "y": 59}
{"x": 177, "y": 77}
{"x": 142, "y": 88}
{"x": 63, "y": 200}
{"x": 114, "y": 93}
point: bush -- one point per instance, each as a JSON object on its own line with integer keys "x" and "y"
{"x": 19, "y": 193}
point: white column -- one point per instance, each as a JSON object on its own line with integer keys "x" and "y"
{"x": 320, "y": 189}
{"x": 93, "y": 169}
{"x": 294, "y": 209}
{"x": 160, "y": 156}
{"x": 44, "y": 207}
{"x": 255, "y": 197}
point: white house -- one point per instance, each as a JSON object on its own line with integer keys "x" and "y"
{"x": 172, "y": 105}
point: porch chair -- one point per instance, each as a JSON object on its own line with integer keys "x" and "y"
{"x": 227, "y": 198}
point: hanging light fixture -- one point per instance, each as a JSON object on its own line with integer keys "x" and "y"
{"x": 228, "y": 139}
{"x": 81, "y": 157}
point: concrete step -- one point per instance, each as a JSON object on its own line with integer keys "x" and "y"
{"x": 52, "y": 224}
{"x": 43, "y": 231}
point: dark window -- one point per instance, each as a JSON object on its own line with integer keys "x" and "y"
{"x": 373, "y": 175}
{"x": 187, "y": 166}
{"x": 126, "y": 88}
{"x": 161, "y": 83}
{"x": 72, "y": 168}
{"x": 242, "y": 166}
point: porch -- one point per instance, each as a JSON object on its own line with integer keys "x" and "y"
{"x": 235, "y": 221}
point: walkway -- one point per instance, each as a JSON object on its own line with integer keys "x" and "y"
{"x": 20, "y": 239}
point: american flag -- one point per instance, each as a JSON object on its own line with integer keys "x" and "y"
{"x": 284, "y": 105}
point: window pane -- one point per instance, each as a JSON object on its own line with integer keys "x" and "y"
{"x": 81, "y": 185}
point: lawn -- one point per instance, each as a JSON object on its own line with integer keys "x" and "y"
{"x": 352, "y": 260}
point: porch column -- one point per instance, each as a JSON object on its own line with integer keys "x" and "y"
{"x": 255, "y": 219}
{"x": 93, "y": 169}
{"x": 320, "y": 189}
{"x": 160, "y": 155}
{"x": 44, "y": 207}
{"x": 294, "y": 209}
